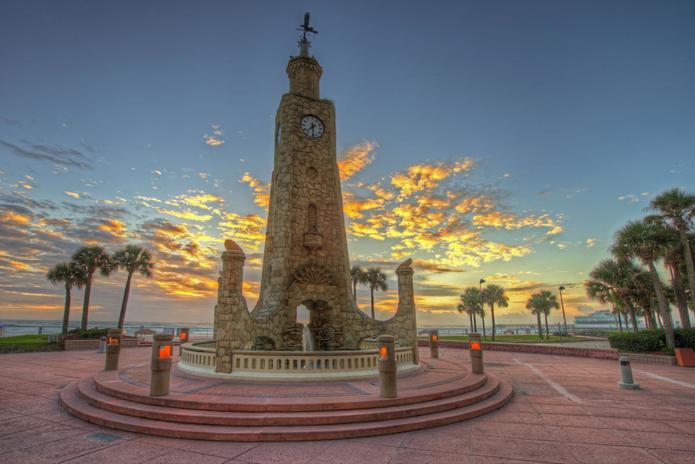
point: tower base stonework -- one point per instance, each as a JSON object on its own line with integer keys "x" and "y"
{"x": 335, "y": 321}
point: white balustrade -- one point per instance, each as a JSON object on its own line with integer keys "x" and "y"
{"x": 200, "y": 357}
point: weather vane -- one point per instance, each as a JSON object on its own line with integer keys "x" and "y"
{"x": 304, "y": 44}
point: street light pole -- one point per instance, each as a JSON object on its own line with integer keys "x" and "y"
{"x": 480, "y": 290}
{"x": 562, "y": 304}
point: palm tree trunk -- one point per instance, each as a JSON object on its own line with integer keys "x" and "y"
{"x": 354, "y": 290}
{"x": 681, "y": 298}
{"x": 492, "y": 315}
{"x": 124, "y": 304}
{"x": 540, "y": 328}
{"x": 633, "y": 317}
{"x": 470, "y": 321}
{"x": 689, "y": 266}
{"x": 482, "y": 318}
{"x": 625, "y": 320}
{"x": 663, "y": 307}
{"x": 475, "y": 323}
{"x": 85, "y": 302}
{"x": 371, "y": 290}
{"x": 620, "y": 324}
{"x": 66, "y": 311}
{"x": 547, "y": 332}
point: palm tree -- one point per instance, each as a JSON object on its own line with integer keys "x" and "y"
{"x": 678, "y": 208}
{"x": 646, "y": 242}
{"x": 472, "y": 302}
{"x": 543, "y": 302}
{"x": 90, "y": 259}
{"x": 601, "y": 292}
{"x": 618, "y": 276}
{"x": 674, "y": 260}
{"x": 461, "y": 308}
{"x": 534, "y": 305}
{"x": 71, "y": 275}
{"x": 377, "y": 281}
{"x": 494, "y": 295}
{"x": 358, "y": 276}
{"x": 131, "y": 259}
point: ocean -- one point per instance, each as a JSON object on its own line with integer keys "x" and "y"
{"x": 27, "y": 327}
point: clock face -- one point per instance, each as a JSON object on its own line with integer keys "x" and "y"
{"x": 312, "y": 126}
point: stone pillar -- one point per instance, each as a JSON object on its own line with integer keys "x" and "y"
{"x": 475, "y": 346}
{"x": 232, "y": 321}
{"x": 387, "y": 366}
{"x": 407, "y": 333}
{"x": 434, "y": 344}
{"x": 113, "y": 349}
{"x": 160, "y": 364}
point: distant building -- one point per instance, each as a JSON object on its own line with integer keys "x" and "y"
{"x": 599, "y": 320}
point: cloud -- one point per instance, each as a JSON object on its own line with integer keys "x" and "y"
{"x": 354, "y": 159}
{"x": 261, "y": 191}
{"x": 421, "y": 177}
{"x": 500, "y": 220}
{"x": 590, "y": 242}
{"x": 68, "y": 157}
{"x": 74, "y": 195}
{"x": 216, "y": 138}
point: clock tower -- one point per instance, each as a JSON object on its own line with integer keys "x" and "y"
{"x": 305, "y": 260}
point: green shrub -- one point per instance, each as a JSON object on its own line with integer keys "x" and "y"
{"x": 648, "y": 341}
{"x": 89, "y": 333}
{"x": 645, "y": 341}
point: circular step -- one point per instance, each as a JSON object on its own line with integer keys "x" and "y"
{"x": 212, "y": 409}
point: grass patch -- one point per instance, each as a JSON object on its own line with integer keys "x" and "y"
{"x": 515, "y": 338}
{"x": 27, "y": 343}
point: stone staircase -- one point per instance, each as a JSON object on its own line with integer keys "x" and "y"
{"x": 116, "y": 400}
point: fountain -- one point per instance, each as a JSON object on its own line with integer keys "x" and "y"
{"x": 307, "y": 339}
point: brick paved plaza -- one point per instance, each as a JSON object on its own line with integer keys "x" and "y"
{"x": 565, "y": 410}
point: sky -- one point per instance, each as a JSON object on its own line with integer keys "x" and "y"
{"x": 504, "y": 140}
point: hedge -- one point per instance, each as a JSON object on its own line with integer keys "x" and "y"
{"x": 95, "y": 332}
{"x": 650, "y": 341}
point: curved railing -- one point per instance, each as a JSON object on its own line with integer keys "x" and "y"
{"x": 200, "y": 357}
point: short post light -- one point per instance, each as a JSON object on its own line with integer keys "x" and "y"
{"x": 626, "y": 382}
{"x": 102, "y": 345}
{"x": 184, "y": 335}
{"x": 475, "y": 346}
{"x": 387, "y": 366}
{"x": 162, "y": 352}
{"x": 113, "y": 349}
{"x": 434, "y": 344}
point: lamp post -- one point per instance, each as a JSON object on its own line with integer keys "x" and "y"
{"x": 387, "y": 366}
{"x": 184, "y": 335}
{"x": 434, "y": 344}
{"x": 562, "y": 305}
{"x": 162, "y": 352}
{"x": 113, "y": 349}
{"x": 480, "y": 290}
{"x": 475, "y": 346}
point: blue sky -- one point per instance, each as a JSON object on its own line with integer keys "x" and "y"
{"x": 573, "y": 114}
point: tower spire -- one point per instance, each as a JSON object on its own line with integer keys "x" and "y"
{"x": 304, "y": 43}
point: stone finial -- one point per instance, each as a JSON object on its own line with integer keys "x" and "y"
{"x": 231, "y": 245}
{"x": 405, "y": 266}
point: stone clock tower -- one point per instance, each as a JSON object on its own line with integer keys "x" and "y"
{"x": 305, "y": 261}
